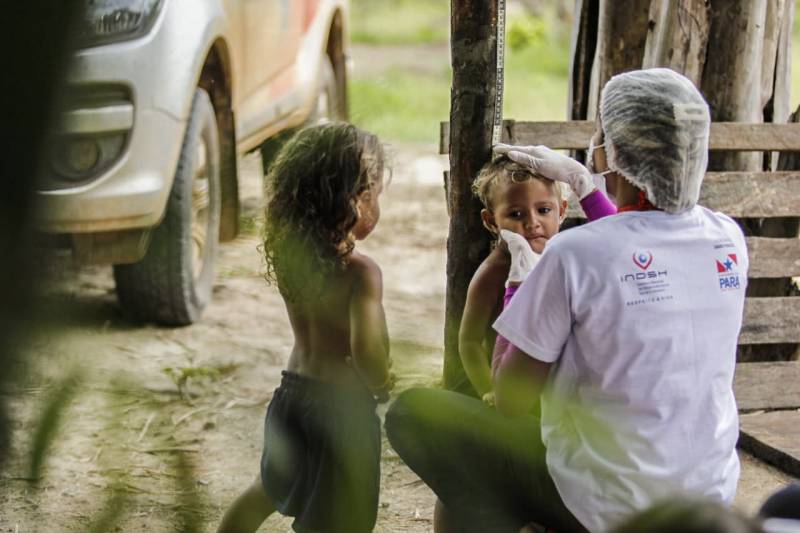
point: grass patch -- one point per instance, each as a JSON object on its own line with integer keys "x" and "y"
{"x": 400, "y": 21}
{"x": 406, "y": 105}
{"x": 401, "y": 105}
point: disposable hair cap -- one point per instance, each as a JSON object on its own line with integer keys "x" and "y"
{"x": 656, "y": 126}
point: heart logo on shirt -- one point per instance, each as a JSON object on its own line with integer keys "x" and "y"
{"x": 642, "y": 259}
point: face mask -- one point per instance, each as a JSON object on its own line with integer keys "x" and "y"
{"x": 590, "y": 158}
{"x": 599, "y": 181}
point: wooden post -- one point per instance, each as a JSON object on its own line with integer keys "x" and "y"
{"x": 677, "y": 37}
{"x": 582, "y": 51}
{"x": 732, "y": 75}
{"x": 621, "y": 36}
{"x": 473, "y": 48}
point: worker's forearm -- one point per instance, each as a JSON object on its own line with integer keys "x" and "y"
{"x": 518, "y": 382}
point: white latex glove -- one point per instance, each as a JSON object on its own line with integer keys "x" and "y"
{"x": 551, "y": 164}
{"x": 523, "y": 259}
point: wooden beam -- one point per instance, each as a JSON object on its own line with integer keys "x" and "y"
{"x": 767, "y": 386}
{"x": 773, "y": 437}
{"x": 575, "y": 135}
{"x": 771, "y": 321}
{"x": 773, "y": 258}
{"x": 752, "y": 194}
{"x": 748, "y": 136}
{"x": 743, "y": 194}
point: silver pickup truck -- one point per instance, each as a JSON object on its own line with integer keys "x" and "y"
{"x": 163, "y": 95}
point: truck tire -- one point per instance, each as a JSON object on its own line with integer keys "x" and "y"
{"x": 172, "y": 284}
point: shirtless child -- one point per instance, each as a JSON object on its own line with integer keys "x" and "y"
{"x": 322, "y": 438}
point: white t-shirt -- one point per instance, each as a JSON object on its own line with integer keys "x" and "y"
{"x": 640, "y": 314}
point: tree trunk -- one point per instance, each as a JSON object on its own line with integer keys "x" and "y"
{"x": 473, "y": 46}
{"x": 733, "y": 69}
{"x": 582, "y": 52}
{"x": 621, "y": 36}
{"x": 677, "y": 37}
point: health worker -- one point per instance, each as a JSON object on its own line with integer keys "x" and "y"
{"x": 626, "y": 328}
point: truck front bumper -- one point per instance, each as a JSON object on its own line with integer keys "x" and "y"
{"x": 132, "y": 192}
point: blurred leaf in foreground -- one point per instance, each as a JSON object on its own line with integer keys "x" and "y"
{"x": 56, "y": 402}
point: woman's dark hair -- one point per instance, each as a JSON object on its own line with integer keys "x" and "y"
{"x": 311, "y": 192}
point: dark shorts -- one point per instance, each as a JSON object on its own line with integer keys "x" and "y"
{"x": 322, "y": 451}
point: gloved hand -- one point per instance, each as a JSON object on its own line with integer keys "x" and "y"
{"x": 551, "y": 164}
{"x": 523, "y": 259}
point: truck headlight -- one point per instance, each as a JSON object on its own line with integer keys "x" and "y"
{"x": 109, "y": 21}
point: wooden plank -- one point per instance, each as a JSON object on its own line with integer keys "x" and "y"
{"x": 575, "y": 135}
{"x": 767, "y": 386}
{"x": 752, "y": 194}
{"x": 773, "y": 437}
{"x": 773, "y": 258}
{"x": 771, "y": 321}
{"x": 744, "y": 194}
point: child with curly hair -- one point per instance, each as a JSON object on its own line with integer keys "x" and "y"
{"x": 321, "y": 458}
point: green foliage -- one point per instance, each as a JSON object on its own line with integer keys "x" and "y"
{"x": 182, "y": 376}
{"x": 248, "y": 224}
{"x": 401, "y": 105}
{"x": 55, "y": 403}
{"x": 407, "y": 104}
{"x": 400, "y": 21}
{"x": 526, "y": 31}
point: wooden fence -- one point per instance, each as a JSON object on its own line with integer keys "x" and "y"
{"x": 768, "y": 320}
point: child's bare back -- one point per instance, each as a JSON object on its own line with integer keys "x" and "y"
{"x": 343, "y": 328}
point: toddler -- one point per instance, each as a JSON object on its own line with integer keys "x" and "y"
{"x": 523, "y": 210}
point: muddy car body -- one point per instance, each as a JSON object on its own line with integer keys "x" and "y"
{"x": 163, "y": 95}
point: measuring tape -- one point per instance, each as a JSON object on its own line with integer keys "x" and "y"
{"x": 499, "y": 84}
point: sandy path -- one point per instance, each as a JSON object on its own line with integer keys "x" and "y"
{"x": 242, "y": 342}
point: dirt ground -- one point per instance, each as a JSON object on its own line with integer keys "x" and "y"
{"x": 128, "y": 423}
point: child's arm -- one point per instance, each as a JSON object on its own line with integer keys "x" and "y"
{"x": 478, "y": 314}
{"x": 369, "y": 339}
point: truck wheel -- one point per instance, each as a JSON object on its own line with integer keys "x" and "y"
{"x": 173, "y": 283}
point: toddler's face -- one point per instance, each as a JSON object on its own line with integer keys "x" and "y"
{"x": 530, "y": 208}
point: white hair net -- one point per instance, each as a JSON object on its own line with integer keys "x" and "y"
{"x": 656, "y": 127}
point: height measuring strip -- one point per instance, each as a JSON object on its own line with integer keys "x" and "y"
{"x": 499, "y": 84}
